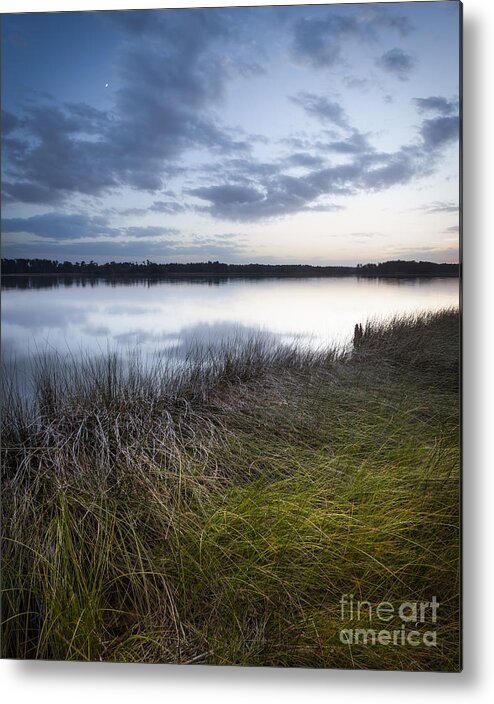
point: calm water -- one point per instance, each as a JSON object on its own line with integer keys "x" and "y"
{"x": 166, "y": 315}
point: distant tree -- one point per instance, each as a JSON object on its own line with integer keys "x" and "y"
{"x": 397, "y": 268}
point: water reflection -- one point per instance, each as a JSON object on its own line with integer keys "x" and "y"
{"x": 55, "y": 281}
{"x": 156, "y": 315}
{"x": 58, "y": 315}
{"x": 191, "y": 339}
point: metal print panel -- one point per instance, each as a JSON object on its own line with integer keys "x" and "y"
{"x": 231, "y": 341}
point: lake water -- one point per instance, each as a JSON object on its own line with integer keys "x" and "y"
{"x": 160, "y": 315}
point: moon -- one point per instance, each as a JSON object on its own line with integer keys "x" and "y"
{"x": 106, "y": 85}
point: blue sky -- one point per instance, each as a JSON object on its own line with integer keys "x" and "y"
{"x": 318, "y": 134}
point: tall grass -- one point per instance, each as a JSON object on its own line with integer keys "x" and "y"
{"x": 216, "y": 513}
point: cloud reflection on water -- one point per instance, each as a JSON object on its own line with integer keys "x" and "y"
{"x": 171, "y": 315}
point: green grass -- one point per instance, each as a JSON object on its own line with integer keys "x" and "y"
{"x": 217, "y": 514}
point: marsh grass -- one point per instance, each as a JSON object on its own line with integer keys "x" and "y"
{"x": 216, "y": 513}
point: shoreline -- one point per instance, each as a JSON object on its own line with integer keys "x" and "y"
{"x": 233, "y": 275}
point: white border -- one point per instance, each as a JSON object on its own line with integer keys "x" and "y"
{"x": 40, "y": 682}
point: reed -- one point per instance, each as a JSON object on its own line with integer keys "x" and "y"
{"x": 217, "y": 511}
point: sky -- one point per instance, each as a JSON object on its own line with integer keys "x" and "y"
{"x": 320, "y": 134}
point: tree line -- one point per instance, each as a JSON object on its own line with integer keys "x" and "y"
{"x": 396, "y": 268}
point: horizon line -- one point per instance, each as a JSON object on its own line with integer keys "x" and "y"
{"x": 251, "y": 263}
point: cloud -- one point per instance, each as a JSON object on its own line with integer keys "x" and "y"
{"x": 29, "y": 192}
{"x": 357, "y": 143}
{"x": 357, "y": 83}
{"x": 170, "y": 207}
{"x": 277, "y": 195}
{"x": 324, "y": 208}
{"x": 330, "y": 111}
{"x": 195, "y": 27}
{"x": 441, "y": 206}
{"x": 365, "y": 235}
{"x": 250, "y": 190}
{"x": 243, "y": 170}
{"x": 437, "y": 104}
{"x": 305, "y": 160}
{"x": 435, "y": 252}
{"x": 321, "y": 41}
{"x": 58, "y": 225}
{"x": 57, "y": 154}
{"x": 150, "y": 232}
{"x": 439, "y": 131}
{"x": 250, "y": 194}
{"x": 228, "y": 195}
{"x": 169, "y": 84}
{"x": 10, "y": 122}
{"x": 57, "y": 234}
{"x": 107, "y": 249}
{"x": 382, "y": 171}
{"x": 118, "y": 251}
{"x": 172, "y": 79}
{"x": 396, "y": 62}
{"x": 322, "y": 108}
{"x": 64, "y": 226}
